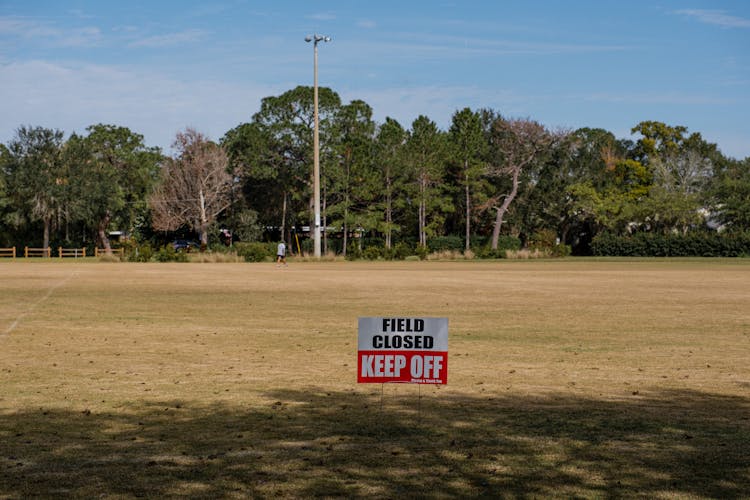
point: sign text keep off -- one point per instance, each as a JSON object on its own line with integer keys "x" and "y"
{"x": 406, "y": 350}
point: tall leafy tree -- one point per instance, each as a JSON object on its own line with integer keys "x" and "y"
{"x": 352, "y": 176}
{"x": 5, "y": 202}
{"x": 731, "y": 196}
{"x": 264, "y": 170}
{"x": 596, "y": 151}
{"x": 658, "y": 140}
{"x": 111, "y": 172}
{"x": 389, "y": 165}
{"x": 516, "y": 144}
{"x": 614, "y": 205}
{"x": 678, "y": 161}
{"x": 589, "y": 180}
{"x": 469, "y": 148}
{"x": 682, "y": 166}
{"x": 34, "y": 180}
{"x": 541, "y": 203}
{"x": 426, "y": 158}
{"x": 288, "y": 121}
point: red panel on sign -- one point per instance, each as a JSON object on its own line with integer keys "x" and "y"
{"x": 415, "y": 367}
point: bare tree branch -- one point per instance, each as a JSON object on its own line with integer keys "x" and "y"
{"x": 518, "y": 143}
{"x": 195, "y": 186}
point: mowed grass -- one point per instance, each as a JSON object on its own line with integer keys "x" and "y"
{"x": 574, "y": 378}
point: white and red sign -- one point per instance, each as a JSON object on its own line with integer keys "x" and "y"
{"x": 406, "y": 350}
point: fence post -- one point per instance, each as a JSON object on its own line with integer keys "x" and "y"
{"x": 26, "y": 252}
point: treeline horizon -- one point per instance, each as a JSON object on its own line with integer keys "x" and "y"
{"x": 486, "y": 179}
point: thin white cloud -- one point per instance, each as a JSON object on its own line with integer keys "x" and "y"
{"x": 80, "y": 14}
{"x": 322, "y": 16}
{"x": 670, "y": 98}
{"x": 716, "y": 17}
{"x": 27, "y": 28}
{"x": 81, "y": 37}
{"x": 366, "y": 24}
{"x": 30, "y": 29}
{"x": 447, "y": 47}
{"x": 170, "y": 39}
{"x": 735, "y": 82}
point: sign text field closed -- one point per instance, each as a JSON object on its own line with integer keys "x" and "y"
{"x": 406, "y": 350}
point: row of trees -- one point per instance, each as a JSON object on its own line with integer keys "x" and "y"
{"x": 486, "y": 176}
{"x": 74, "y": 190}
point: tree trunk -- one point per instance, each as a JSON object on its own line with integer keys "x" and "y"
{"x": 388, "y": 213}
{"x": 346, "y": 237}
{"x": 346, "y": 221}
{"x": 564, "y": 233}
{"x": 67, "y": 225}
{"x": 102, "y": 230}
{"x": 504, "y": 207}
{"x": 283, "y": 220}
{"x": 204, "y": 222}
{"x": 422, "y": 213}
{"x": 468, "y": 206}
{"x": 325, "y": 221}
{"x": 47, "y": 222}
{"x": 204, "y": 236}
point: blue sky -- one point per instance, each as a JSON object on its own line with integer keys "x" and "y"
{"x": 160, "y": 66}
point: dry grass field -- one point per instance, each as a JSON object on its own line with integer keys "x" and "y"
{"x": 572, "y": 378}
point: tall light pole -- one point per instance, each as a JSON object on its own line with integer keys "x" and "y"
{"x": 316, "y": 140}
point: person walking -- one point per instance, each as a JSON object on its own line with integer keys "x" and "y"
{"x": 281, "y": 254}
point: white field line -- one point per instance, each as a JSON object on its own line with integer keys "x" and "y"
{"x": 35, "y": 305}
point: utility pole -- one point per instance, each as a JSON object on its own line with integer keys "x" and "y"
{"x": 316, "y": 141}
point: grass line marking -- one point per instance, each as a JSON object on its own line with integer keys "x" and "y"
{"x": 35, "y": 305}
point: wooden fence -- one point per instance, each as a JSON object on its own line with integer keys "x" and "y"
{"x": 71, "y": 252}
{"x": 115, "y": 251}
{"x": 37, "y": 252}
{"x": 61, "y": 252}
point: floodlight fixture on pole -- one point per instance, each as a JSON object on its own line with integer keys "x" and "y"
{"x": 316, "y": 141}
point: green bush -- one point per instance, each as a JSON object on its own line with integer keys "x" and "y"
{"x": 422, "y": 251}
{"x": 503, "y": 243}
{"x": 373, "y": 241}
{"x": 219, "y": 247}
{"x": 451, "y": 242}
{"x": 167, "y": 253}
{"x": 508, "y": 243}
{"x": 307, "y": 246}
{"x": 672, "y": 245}
{"x": 255, "y": 251}
{"x": 139, "y": 253}
{"x": 561, "y": 250}
{"x": 401, "y": 250}
{"x": 488, "y": 253}
{"x": 372, "y": 253}
{"x": 353, "y": 252}
{"x": 543, "y": 239}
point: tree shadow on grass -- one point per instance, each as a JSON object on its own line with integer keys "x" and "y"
{"x": 302, "y": 444}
